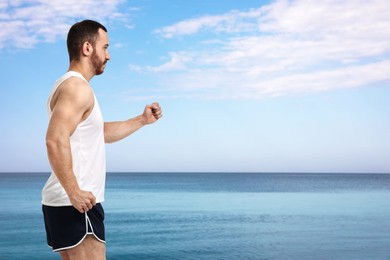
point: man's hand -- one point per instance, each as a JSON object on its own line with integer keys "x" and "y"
{"x": 152, "y": 113}
{"x": 82, "y": 200}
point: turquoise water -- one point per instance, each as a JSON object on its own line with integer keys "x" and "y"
{"x": 217, "y": 216}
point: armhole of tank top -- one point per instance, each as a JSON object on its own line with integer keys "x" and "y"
{"x": 93, "y": 108}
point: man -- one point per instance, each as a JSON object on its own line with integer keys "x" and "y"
{"x": 75, "y": 142}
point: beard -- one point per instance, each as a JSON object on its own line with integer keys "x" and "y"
{"x": 98, "y": 64}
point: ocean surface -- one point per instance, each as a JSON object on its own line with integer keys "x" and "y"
{"x": 216, "y": 216}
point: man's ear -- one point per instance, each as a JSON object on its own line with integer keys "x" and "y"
{"x": 87, "y": 49}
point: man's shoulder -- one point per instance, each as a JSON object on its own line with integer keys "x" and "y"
{"x": 74, "y": 91}
{"x": 75, "y": 86}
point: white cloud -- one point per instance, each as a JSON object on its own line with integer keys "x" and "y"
{"x": 177, "y": 62}
{"x": 282, "y": 48}
{"x": 26, "y": 23}
{"x": 231, "y": 22}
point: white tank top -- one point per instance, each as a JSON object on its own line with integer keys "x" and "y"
{"x": 88, "y": 155}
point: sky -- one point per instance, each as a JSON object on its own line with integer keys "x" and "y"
{"x": 245, "y": 86}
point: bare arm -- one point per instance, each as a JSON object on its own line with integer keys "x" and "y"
{"x": 115, "y": 131}
{"x": 72, "y": 104}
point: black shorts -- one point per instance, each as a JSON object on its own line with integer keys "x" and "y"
{"x": 66, "y": 227}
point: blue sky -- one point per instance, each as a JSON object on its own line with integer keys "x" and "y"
{"x": 263, "y": 86}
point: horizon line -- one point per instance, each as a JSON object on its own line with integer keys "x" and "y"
{"x": 208, "y": 172}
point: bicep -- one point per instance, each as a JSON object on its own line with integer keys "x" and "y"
{"x": 67, "y": 113}
{"x": 63, "y": 122}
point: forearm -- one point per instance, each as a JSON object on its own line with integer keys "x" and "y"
{"x": 115, "y": 131}
{"x": 60, "y": 158}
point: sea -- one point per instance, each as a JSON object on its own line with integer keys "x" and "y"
{"x": 216, "y": 216}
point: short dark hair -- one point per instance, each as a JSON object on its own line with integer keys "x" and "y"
{"x": 81, "y": 32}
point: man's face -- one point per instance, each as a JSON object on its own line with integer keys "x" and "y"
{"x": 100, "y": 55}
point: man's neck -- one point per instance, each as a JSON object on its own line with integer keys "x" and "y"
{"x": 78, "y": 67}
